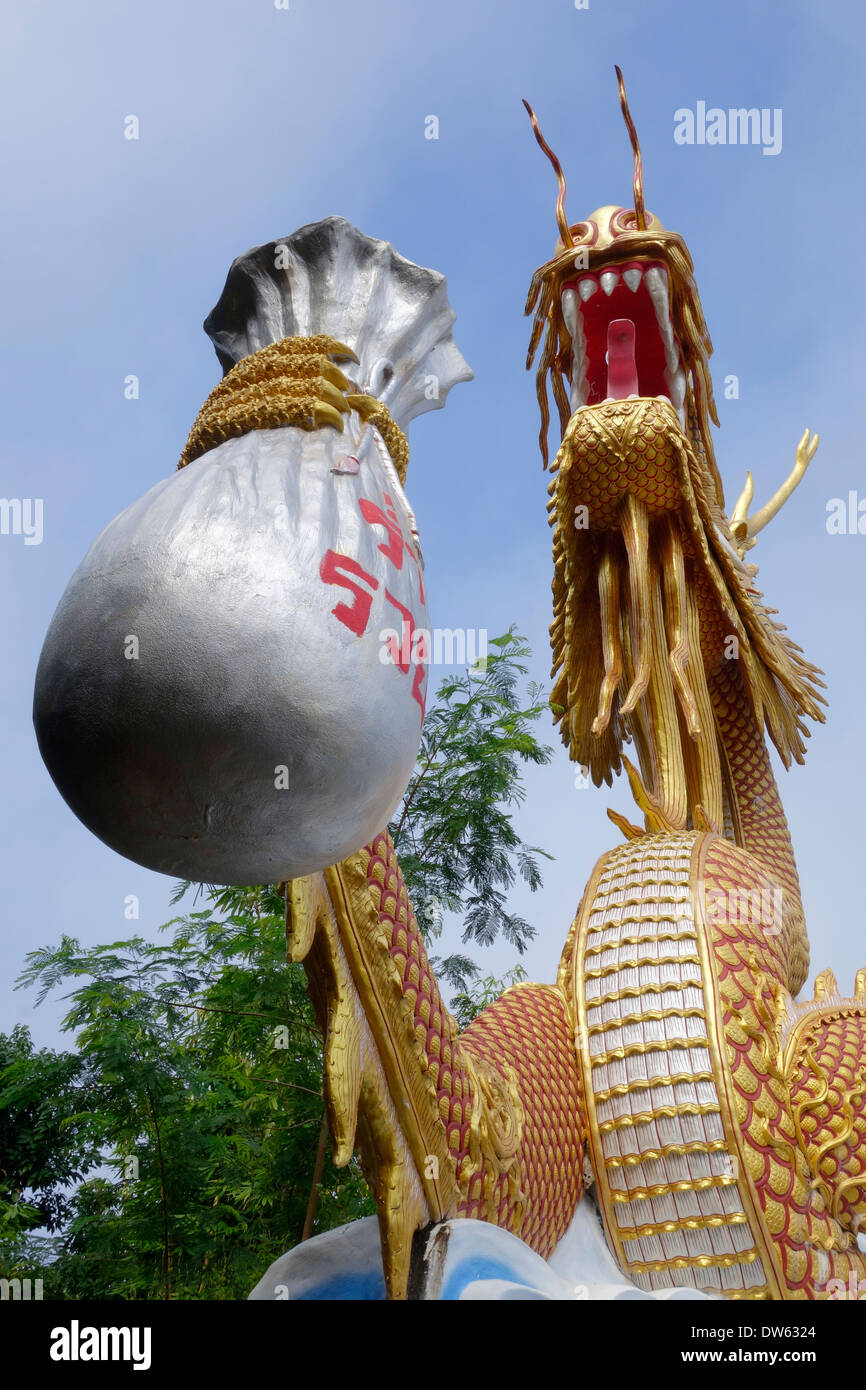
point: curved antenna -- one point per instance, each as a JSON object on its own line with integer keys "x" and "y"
{"x": 639, "y": 205}
{"x": 561, "y": 219}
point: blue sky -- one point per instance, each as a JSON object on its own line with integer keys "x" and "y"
{"x": 254, "y": 121}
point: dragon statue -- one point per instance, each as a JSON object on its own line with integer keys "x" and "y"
{"x": 668, "y": 1082}
{"x": 721, "y": 1123}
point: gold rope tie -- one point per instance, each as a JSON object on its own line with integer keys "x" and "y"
{"x": 290, "y": 382}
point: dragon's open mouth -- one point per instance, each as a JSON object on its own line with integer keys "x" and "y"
{"x": 622, "y": 339}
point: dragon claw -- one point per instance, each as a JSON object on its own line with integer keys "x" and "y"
{"x": 331, "y": 372}
{"x": 340, "y": 351}
{"x": 328, "y": 394}
{"x": 365, "y": 405}
{"x": 324, "y": 414}
{"x": 653, "y": 811}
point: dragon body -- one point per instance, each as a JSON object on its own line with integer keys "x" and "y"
{"x": 722, "y": 1124}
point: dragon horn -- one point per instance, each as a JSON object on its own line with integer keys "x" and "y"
{"x": 561, "y": 219}
{"x": 639, "y": 205}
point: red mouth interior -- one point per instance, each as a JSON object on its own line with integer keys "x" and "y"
{"x": 599, "y": 311}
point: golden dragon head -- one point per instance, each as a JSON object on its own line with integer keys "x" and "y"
{"x": 651, "y": 591}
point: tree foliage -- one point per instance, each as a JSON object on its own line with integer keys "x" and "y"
{"x": 171, "y": 1154}
{"x": 204, "y": 1094}
{"x": 454, "y": 832}
{"x": 47, "y": 1140}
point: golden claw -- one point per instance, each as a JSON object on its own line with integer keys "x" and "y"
{"x": 365, "y": 405}
{"x": 331, "y": 395}
{"x": 655, "y": 816}
{"x": 326, "y": 415}
{"x": 628, "y": 828}
{"x": 339, "y": 350}
{"x": 331, "y": 372}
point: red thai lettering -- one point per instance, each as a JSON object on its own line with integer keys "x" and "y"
{"x": 336, "y": 569}
{"x": 374, "y": 516}
{"x": 403, "y": 654}
{"x": 419, "y": 688}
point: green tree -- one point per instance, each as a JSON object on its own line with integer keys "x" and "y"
{"x": 47, "y": 1141}
{"x": 207, "y": 1099}
{"x": 454, "y": 833}
{"x": 468, "y": 1003}
{"x": 172, "y": 1155}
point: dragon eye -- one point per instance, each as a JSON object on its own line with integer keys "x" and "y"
{"x": 624, "y": 220}
{"x": 584, "y": 234}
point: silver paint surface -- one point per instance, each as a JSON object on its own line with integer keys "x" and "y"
{"x": 243, "y": 668}
{"x": 330, "y": 278}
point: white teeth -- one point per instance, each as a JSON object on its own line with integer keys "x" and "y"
{"x": 578, "y": 346}
{"x": 676, "y": 384}
{"x": 656, "y": 279}
{"x": 657, "y": 282}
{"x": 569, "y": 312}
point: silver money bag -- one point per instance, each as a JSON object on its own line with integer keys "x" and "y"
{"x": 217, "y": 698}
